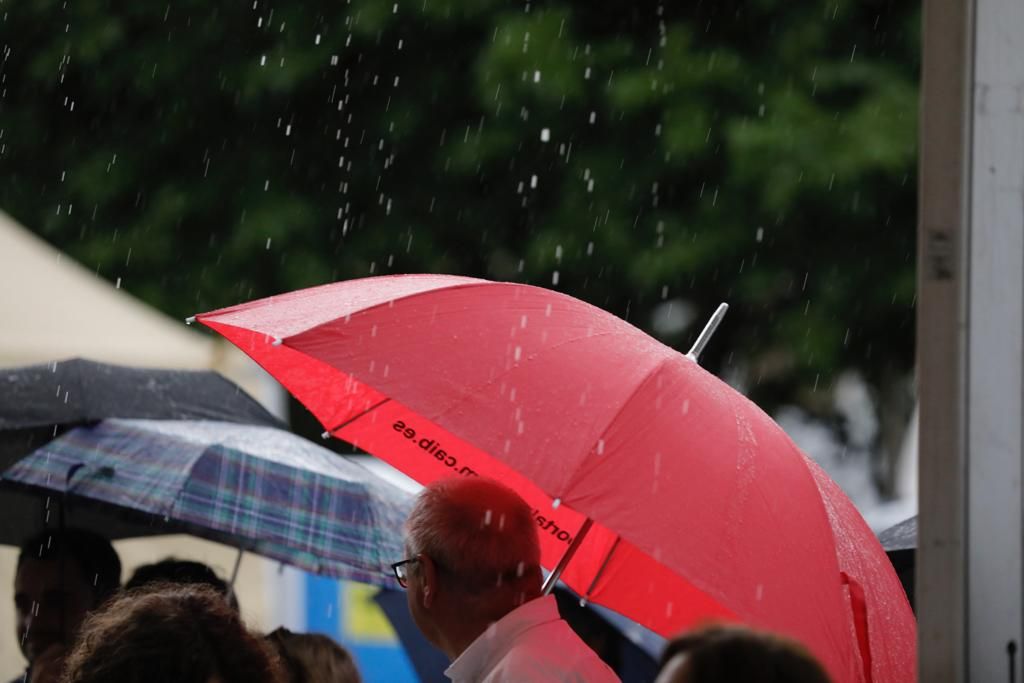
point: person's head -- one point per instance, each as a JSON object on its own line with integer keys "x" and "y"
{"x": 60, "y": 577}
{"x": 313, "y": 658}
{"x": 185, "y": 572}
{"x": 722, "y": 654}
{"x": 473, "y": 556}
{"x": 169, "y": 634}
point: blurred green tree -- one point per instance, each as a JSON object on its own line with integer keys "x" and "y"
{"x": 649, "y": 157}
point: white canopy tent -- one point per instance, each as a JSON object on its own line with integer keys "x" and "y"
{"x": 53, "y": 308}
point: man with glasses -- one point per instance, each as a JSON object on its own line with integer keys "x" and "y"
{"x": 474, "y": 588}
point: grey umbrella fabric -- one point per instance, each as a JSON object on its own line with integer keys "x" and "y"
{"x": 79, "y": 390}
{"x": 259, "y": 488}
{"x": 902, "y": 536}
{"x": 900, "y": 544}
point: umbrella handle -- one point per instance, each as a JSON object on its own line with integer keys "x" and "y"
{"x": 234, "y": 570}
{"x": 705, "y": 335}
{"x": 549, "y": 583}
{"x": 234, "y": 574}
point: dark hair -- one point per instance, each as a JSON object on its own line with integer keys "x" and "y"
{"x": 313, "y": 658}
{"x": 184, "y": 572}
{"x": 721, "y": 654}
{"x": 169, "y": 634}
{"x": 96, "y": 559}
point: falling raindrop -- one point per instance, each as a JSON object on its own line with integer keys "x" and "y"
{"x": 545, "y": 134}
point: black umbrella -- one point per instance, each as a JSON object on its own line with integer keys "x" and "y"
{"x": 76, "y": 391}
{"x": 900, "y": 537}
{"x": 900, "y": 544}
{"x": 39, "y": 402}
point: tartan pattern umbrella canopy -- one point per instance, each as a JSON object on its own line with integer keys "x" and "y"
{"x": 259, "y": 488}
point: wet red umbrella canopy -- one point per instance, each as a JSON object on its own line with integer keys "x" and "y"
{"x": 701, "y": 506}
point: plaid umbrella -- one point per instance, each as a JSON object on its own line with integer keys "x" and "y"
{"x": 258, "y": 488}
{"x": 39, "y": 402}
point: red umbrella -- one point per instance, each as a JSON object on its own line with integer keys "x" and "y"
{"x": 701, "y": 506}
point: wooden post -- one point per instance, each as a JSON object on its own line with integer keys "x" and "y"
{"x": 971, "y": 341}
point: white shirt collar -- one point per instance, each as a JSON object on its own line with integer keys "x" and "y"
{"x": 490, "y": 646}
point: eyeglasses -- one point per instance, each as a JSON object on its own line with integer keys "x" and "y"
{"x": 402, "y": 571}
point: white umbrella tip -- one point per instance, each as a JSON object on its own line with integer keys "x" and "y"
{"x": 705, "y": 335}
{"x": 277, "y": 342}
{"x": 325, "y": 435}
{"x": 189, "y": 320}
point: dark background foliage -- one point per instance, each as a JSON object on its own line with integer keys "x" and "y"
{"x": 651, "y": 158}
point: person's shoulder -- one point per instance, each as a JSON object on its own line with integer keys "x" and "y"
{"x": 543, "y": 670}
{"x": 553, "y": 653}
